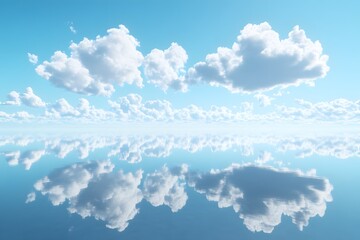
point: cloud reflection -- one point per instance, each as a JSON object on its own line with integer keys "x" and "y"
{"x": 261, "y": 195}
{"x": 166, "y": 187}
{"x": 29, "y": 150}
{"x": 92, "y": 189}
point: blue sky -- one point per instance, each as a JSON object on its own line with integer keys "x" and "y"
{"x": 44, "y": 27}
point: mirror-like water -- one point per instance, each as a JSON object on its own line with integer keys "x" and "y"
{"x": 178, "y": 187}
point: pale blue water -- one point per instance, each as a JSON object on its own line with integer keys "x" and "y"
{"x": 179, "y": 187}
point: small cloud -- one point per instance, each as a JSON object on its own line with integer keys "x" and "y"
{"x": 263, "y": 99}
{"x": 264, "y": 157}
{"x": 32, "y": 58}
{"x": 72, "y": 28}
{"x": 30, "y": 197}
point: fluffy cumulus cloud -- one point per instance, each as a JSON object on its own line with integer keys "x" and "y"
{"x": 260, "y": 60}
{"x": 95, "y": 66}
{"x": 18, "y": 116}
{"x": 63, "y": 109}
{"x": 165, "y": 69}
{"x": 93, "y": 190}
{"x": 32, "y": 58}
{"x": 338, "y": 109}
{"x": 164, "y": 188}
{"x": 13, "y": 98}
{"x": 133, "y": 108}
{"x": 298, "y": 195}
{"x": 28, "y": 98}
{"x": 263, "y": 99}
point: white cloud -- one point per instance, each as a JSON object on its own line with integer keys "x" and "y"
{"x": 63, "y": 109}
{"x": 278, "y": 192}
{"x": 164, "y": 188}
{"x": 72, "y": 28}
{"x": 10, "y": 117}
{"x": 13, "y": 99}
{"x": 165, "y": 69}
{"x": 32, "y": 58}
{"x": 260, "y": 60}
{"x": 263, "y": 99}
{"x": 95, "y": 66}
{"x": 133, "y": 108}
{"x": 30, "y": 197}
{"x": 264, "y": 157}
{"x": 337, "y": 109}
{"x": 29, "y": 98}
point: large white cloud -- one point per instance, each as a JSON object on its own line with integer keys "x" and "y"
{"x": 95, "y": 66}
{"x": 262, "y": 195}
{"x": 29, "y": 98}
{"x": 164, "y": 188}
{"x": 260, "y": 60}
{"x": 165, "y": 69}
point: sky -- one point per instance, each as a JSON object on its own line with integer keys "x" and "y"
{"x": 165, "y": 61}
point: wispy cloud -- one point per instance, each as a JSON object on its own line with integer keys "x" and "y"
{"x": 32, "y": 58}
